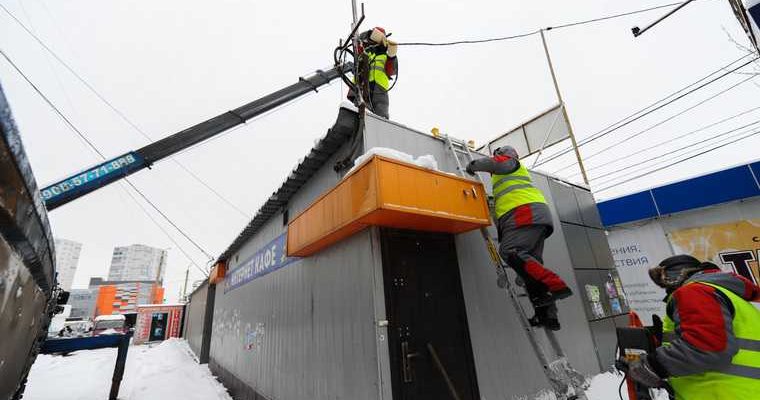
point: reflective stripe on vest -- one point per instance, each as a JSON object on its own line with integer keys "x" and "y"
{"x": 377, "y": 69}
{"x": 740, "y": 379}
{"x": 513, "y": 190}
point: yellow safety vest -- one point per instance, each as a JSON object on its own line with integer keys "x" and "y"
{"x": 377, "y": 69}
{"x": 513, "y": 190}
{"x": 739, "y": 380}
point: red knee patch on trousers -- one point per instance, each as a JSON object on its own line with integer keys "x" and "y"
{"x": 547, "y": 277}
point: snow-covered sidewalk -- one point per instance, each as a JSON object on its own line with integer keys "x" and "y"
{"x": 166, "y": 371}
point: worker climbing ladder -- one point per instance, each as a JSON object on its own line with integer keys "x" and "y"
{"x": 567, "y": 383}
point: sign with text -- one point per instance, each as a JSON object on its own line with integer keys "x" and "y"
{"x": 634, "y": 252}
{"x": 268, "y": 259}
{"x": 733, "y": 246}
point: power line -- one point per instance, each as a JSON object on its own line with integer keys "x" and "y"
{"x": 657, "y": 106}
{"x": 473, "y": 41}
{"x": 676, "y": 162}
{"x": 147, "y": 213}
{"x": 57, "y": 111}
{"x": 638, "y": 152}
{"x": 637, "y": 134}
{"x": 643, "y": 162}
{"x": 522, "y": 35}
{"x": 118, "y": 112}
{"x": 168, "y": 219}
{"x": 99, "y": 153}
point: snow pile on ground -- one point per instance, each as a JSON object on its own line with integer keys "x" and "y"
{"x": 166, "y": 371}
{"x": 426, "y": 161}
{"x": 605, "y": 387}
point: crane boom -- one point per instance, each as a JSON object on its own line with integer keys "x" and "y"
{"x": 98, "y": 176}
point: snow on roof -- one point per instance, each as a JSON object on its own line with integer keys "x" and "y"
{"x": 116, "y": 317}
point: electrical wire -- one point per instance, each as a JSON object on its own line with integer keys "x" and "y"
{"x": 644, "y": 167}
{"x": 637, "y": 134}
{"x": 526, "y": 34}
{"x": 98, "y": 152}
{"x": 676, "y": 162}
{"x": 641, "y": 113}
{"x": 643, "y": 162}
{"x": 147, "y": 213}
{"x": 57, "y": 111}
{"x": 121, "y": 115}
{"x": 638, "y": 152}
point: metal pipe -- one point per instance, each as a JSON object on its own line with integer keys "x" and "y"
{"x": 564, "y": 109}
{"x": 638, "y": 32}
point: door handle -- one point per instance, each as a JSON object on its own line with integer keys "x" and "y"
{"x": 407, "y": 372}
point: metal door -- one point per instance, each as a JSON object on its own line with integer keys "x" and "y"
{"x": 430, "y": 352}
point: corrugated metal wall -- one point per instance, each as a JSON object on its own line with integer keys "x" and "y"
{"x": 505, "y": 364}
{"x": 195, "y": 311}
{"x": 307, "y": 330}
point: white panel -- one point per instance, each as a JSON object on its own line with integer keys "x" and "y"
{"x": 539, "y": 132}
{"x": 546, "y": 130}
{"x": 516, "y": 139}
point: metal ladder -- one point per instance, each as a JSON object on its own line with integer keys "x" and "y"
{"x": 567, "y": 383}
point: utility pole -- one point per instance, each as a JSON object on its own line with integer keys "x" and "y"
{"x": 564, "y": 110}
{"x": 354, "y": 40}
{"x": 184, "y": 288}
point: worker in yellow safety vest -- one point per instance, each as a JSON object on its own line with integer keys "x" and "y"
{"x": 524, "y": 221}
{"x": 711, "y": 333}
{"x": 382, "y": 65}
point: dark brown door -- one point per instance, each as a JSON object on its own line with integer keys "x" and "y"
{"x": 430, "y": 351}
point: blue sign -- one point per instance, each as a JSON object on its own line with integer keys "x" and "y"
{"x": 268, "y": 259}
{"x": 93, "y": 178}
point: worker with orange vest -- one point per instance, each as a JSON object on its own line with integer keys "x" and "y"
{"x": 710, "y": 335}
{"x": 524, "y": 221}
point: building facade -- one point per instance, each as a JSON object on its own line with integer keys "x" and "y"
{"x": 137, "y": 262}
{"x": 82, "y": 303}
{"x": 67, "y": 259}
{"x": 365, "y": 317}
{"x": 123, "y": 297}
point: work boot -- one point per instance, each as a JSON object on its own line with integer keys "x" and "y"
{"x": 546, "y": 317}
{"x": 551, "y": 297}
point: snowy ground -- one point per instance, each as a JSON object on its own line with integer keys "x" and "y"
{"x": 166, "y": 371}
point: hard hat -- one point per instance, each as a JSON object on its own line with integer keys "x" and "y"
{"x": 674, "y": 271}
{"x": 507, "y": 150}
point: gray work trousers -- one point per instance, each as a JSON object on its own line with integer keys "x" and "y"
{"x": 522, "y": 248}
{"x": 380, "y": 101}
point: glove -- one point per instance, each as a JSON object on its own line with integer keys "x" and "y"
{"x": 392, "y": 48}
{"x": 469, "y": 170}
{"x": 642, "y": 372}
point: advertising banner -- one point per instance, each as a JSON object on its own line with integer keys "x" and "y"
{"x": 733, "y": 246}
{"x": 635, "y": 251}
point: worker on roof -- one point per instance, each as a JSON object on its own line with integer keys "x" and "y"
{"x": 710, "y": 335}
{"x": 381, "y": 66}
{"x": 523, "y": 222}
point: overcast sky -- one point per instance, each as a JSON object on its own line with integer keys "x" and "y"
{"x": 168, "y": 65}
